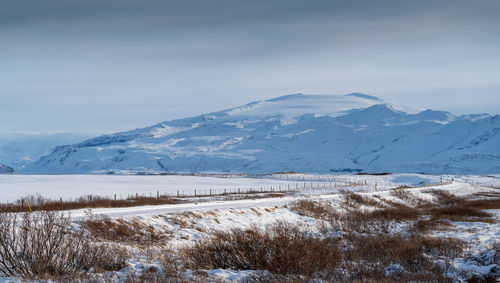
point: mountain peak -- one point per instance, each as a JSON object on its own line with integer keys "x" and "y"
{"x": 297, "y": 132}
{"x": 298, "y": 104}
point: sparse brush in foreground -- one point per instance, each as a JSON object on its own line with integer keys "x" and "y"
{"x": 40, "y": 244}
{"x": 286, "y": 250}
{"x": 280, "y": 249}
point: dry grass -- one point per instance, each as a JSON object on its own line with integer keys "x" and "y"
{"x": 315, "y": 209}
{"x": 399, "y": 213}
{"x": 355, "y": 200}
{"x": 293, "y": 255}
{"x": 456, "y": 208}
{"x": 280, "y": 249}
{"x": 39, "y": 203}
{"x": 119, "y": 230}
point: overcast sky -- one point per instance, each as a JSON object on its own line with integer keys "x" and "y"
{"x": 99, "y": 66}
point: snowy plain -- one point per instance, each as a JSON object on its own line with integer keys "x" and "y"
{"x": 13, "y": 187}
{"x": 186, "y": 223}
{"x": 202, "y": 218}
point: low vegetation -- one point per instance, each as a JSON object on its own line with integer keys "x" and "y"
{"x": 39, "y": 203}
{"x": 367, "y": 238}
{"x": 41, "y": 245}
{"x": 105, "y": 228}
{"x": 292, "y": 253}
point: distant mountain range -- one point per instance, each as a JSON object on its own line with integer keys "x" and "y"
{"x": 4, "y": 169}
{"x": 19, "y": 149}
{"x": 303, "y": 133}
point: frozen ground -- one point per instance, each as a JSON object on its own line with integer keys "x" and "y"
{"x": 188, "y": 222}
{"x": 13, "y": 187}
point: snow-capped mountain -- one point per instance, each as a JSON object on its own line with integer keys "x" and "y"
{"x": 19, "y": 149}
{"x": 305, "y": 133}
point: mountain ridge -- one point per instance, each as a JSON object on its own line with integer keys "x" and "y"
{"x": 302, "y": 133}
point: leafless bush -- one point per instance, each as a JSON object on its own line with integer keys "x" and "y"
{"x": 445, "y": 197}
{"x": 352, "y": 199}
{"x": 357, "y": 222}
{"x": 120, "y": 230}
{"x": 409, "y": 198}
{"x": 280, "y": 249}
{"x": 311, "y": 208}
{"x": 285, "y": 253}
{"x": 41, "y": 245}
{"x": 460, "y": 209}
{"x": 398, "y": 213}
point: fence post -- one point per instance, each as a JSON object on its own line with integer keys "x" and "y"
{"x": 115, "y": 197}
{"x": 157, "y": 194}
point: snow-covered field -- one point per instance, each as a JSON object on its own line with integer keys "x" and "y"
{"x": 13, "y": 187}
{"x": 200, "y": 219}
{"x": 385, "y": 184}
{"x": 186, "y": 223}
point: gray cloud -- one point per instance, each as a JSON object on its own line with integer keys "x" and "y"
{"x": 115, "y": 65}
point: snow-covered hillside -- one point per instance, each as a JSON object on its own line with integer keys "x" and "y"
{"x": 19, "y": 149}
{"x": 4, "y": 169}
{"x": 305, "y": 133}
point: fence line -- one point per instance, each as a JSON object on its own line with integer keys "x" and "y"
{"x": 327, "y": 184}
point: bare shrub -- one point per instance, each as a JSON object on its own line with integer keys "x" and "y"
{"x": 280, "y": 249}
{"x": 401, "y": 193}
{"x": 414, "y": 256}
{"x": 315, "y": 209}
{"x": 352, "y": 199}
{"x": 460, "y": 209}
{"x": 358, "y": 222}
{"x": 398, "y": 213}
{"x": 41, "y": 245}
{"x": 120, "y": 230}
{"x": 445, "y": 197}
{"x": 409, "y": 198}
{"x": 285, "y": 253}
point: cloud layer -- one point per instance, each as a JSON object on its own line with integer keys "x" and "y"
{"x": 115, "y": 65}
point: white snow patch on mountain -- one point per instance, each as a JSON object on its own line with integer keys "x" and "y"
{"x": 302, "y": 133}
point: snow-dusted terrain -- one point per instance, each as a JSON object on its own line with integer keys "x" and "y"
{"x": 19, "y": 149}
{"x": 4, "y": 169}
{"x": 184, "y": 224}
{"x": 188, "y": 223}
{"x": 302, "y": 133}
{"x": 13, "y": 187}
